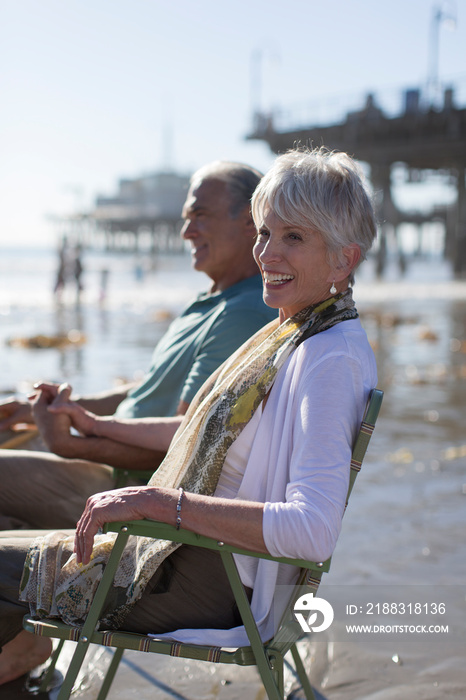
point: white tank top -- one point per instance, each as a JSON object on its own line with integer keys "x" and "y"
{"x": 237, "y": 458}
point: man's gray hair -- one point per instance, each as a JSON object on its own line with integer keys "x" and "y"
{"x": 321, "y": 190}
{"x": 241, "y": 181}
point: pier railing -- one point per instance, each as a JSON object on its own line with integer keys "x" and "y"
{"x": 390, "y": 102}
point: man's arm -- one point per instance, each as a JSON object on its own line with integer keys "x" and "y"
{"x": 14, "y": 411}
{"x": 106, "y": 402}
{"x": 106, "y": 451}
{"x": 104, "y": 440}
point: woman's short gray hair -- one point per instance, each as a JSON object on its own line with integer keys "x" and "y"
{"x": 322, "y": 190}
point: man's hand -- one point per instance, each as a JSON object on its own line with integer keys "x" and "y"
{"x": 14, "y": 411}
{"x": 54, "y": 428}
{"x": 55, "y": 413}
{"x": 84, "y": 421}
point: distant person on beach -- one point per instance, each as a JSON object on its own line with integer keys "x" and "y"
{"x": 49, "y": 490}
{"x": 261, "y": 460}
{"x": 77, "y": 270}
{"x": 70, "y": 268}
{"x": 62, "y": 269}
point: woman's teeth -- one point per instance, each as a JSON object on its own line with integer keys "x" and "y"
{"x": 276, "y": 278}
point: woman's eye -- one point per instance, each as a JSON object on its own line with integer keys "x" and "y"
{"x": 295, "y": 236}
{"x": 263, "y": 233}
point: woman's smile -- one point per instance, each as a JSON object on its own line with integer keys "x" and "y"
{"x": 294, "y": 265}
{"x": 276, "y": 278}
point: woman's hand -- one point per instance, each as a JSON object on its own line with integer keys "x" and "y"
{"x": 130, "y": 503}
{"x": 235, "y": 522}
{"x": 84, "y": 421}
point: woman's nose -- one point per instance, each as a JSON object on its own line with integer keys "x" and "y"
{"x": 269, "y": 252}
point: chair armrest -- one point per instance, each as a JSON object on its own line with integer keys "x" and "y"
{"x": 153, "y": 528}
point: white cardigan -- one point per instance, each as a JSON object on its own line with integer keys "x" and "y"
{"x": 298, "y": 466}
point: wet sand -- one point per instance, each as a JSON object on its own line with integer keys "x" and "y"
{"x": 404, "y": 527}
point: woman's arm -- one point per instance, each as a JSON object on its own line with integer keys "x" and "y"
{"x": 325, "y": 413}
{"x": 237, "y": 523}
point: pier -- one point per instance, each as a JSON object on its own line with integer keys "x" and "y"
{"x": 424, "y": 134}
{"x": 144, "y": 215}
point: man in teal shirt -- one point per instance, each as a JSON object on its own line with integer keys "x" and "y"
{"x": 196, "y": 343}
{"x": 49, "y": 489}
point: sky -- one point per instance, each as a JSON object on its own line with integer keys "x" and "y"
{"x": 95, "y": 90}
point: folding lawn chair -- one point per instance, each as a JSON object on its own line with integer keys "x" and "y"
{"x": 268, "y": 657}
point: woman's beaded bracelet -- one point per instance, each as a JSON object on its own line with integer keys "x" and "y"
{"x": 178, "y": 509}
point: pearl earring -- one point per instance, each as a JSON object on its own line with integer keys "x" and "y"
{"x": 333, "y": 289}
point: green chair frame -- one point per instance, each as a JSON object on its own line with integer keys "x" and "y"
{"x": 268, "y": 657}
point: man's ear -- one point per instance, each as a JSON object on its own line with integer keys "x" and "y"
{"x": 249, "y": 226}
{"x": 351, "y": 257}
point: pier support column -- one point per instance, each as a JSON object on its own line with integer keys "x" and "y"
{"x": 459, "y": 258}
{"x": 386, "y": 211}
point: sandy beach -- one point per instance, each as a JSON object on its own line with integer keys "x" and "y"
{"x": 403, "y": 533}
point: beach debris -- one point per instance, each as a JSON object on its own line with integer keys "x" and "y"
{"x": 42, "y": 341}
{"x": 452, "y": 453}
{"x": 432, "y": 374}
{"x": 388, "y": 319}
{"x": 401, "y": 456}
{"x": 397, "y": 660}
{"x": 162, "y": 316}
{"x": 426, "y": 333}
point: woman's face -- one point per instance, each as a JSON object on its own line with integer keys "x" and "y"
{"x": 294, "y": 266}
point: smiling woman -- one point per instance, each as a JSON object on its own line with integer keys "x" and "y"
{"x": 315, "y": 224}
{"x": 294, "y": 266}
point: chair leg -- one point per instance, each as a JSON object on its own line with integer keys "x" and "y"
{"x": 276, "y": 666}
{"x": 73, "y": 670}
{"x": 110, "y": 675}
{"x": 263, "y": 660}
{"x": 302, "y": 675}
{"x": 89, "y": 626}
{"x": 47, "y": 677}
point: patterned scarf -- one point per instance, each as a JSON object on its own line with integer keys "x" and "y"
{"x": 55, "y": 585}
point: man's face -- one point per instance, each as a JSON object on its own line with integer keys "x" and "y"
{"x": 219, "y": 244}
